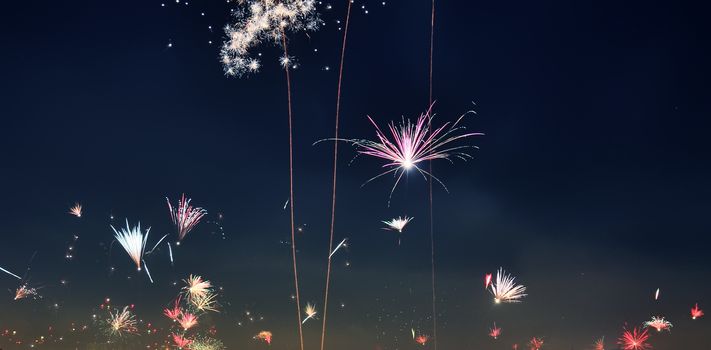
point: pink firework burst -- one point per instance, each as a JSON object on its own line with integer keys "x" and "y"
{"x": 495, "y": 332}
{"x": 535, "y": 343}
{"x": 634, "y": 340}
{"x": 185, "y": 216}
{"x": 181, "y": 342}
{"x": 422, "y": 339}
{"x": 174, "y": 313}
{"x": 696, "y": 312}
{"x": 487, "y": 280}
{"x": 599, "y": 344}
{"x": 266, "y": 336}
{"x": 187, "y": 321}
{"x": 411, "y": 143}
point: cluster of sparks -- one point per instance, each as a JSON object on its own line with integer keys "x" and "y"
{"x": 257, "y": 21}
{"x": 634, "y": 340}
{"x": 411, "y": 143}
{"x": 265, "y": 336}
{"x": 505, "y": 290}
{"x": 196, "y": 298}
{"x": 658, "y": 323}
{"x": 185, "y": 216}
{"x": 121, "y": 322}
{"x": 24, "y": 292}
{"x": 535, "y": 343}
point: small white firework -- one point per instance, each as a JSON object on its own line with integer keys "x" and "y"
{"x": 658, "y": 323}
{"x": 133, "y": 242}
{"x": 75, "y": 210}
{"x": 310, "y": 311}
{"x": 397, "y": 224}
{"x": 505, "y": 290}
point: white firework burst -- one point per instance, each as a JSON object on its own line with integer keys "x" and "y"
{"x": 398, "y": 224}
{"x": 505, "y": 290}
{"x": 133, "y": 242}
{"x": 658, "y": 323}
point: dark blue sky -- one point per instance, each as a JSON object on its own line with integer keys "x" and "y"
{"x": 591, "y": 184}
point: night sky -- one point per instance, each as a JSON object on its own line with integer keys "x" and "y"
{"x": 592, "y": 184}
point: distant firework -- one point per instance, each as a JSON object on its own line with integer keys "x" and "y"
{"x": 495, "y": 332}
{"x": 659, "y": 323}
{"x": 265, "y": 336}
{"x": 75, "y": 210}
{"x": 505, "y": 290}
{"x": 696, "y": 312}
{"x": 185, "y": 216}
{"x": 535, "y": 343}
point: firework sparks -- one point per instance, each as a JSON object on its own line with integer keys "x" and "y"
{"x": 197, "y": 287}
{"x": 599, "y": 344}
{"x": 187, "y": 320}
{"x": 487, "y": 280}
{"x": 207, "y": 302}
{"x": 422, "y": 339}
{"x": 133, "y": 242}
{"x": 398, "y": 224}
{"x": 205, "y": 343}
{"x": 261, "y": 21}
{"x": 505, "y": 290}
{"x": 535, "y": 343}
{"x": 75, "y": 210}
{"x": 24, "y": 292}
{"x": 170, "y": 253}
{"x": 180, "y": 341}
{"x": 495, "y": 332}
{"x": 659, "y": 323}
{"x": 185, "y": 216}
{"x": 174, "y": 313}
{"x": 634, "y": 340}
{"x": 310, "y": 311}
{"x": 10, "y": 273}
{"x": 412, "y": 144}
{"x": 656, "y": 294}
{"x": 122, "y": 323}
{"x": 265, "y": 336}
{"x": 696, "y": 312}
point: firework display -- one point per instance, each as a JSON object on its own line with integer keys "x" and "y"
{"x": 235, "y": 282}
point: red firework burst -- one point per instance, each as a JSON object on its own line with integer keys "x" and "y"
{"x": 634, "y": 340}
